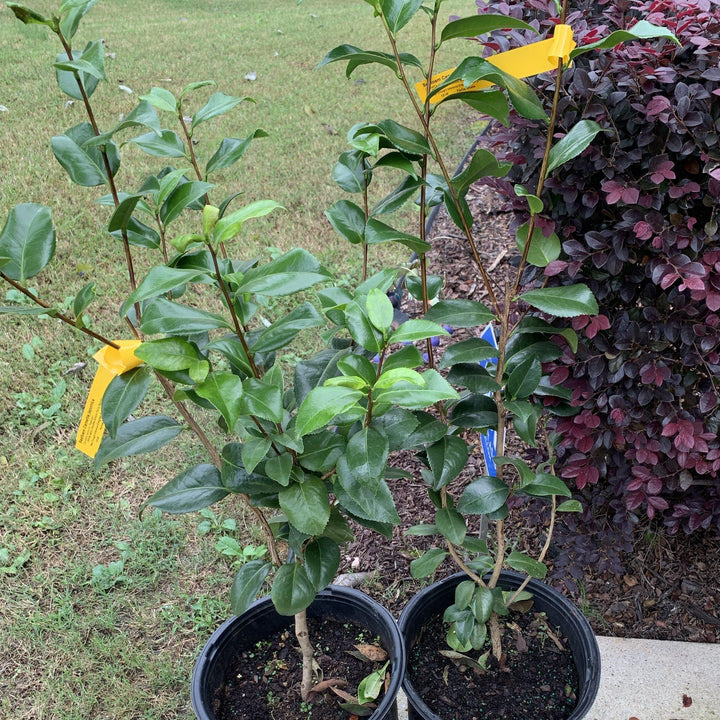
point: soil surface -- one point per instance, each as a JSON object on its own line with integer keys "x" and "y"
{"x": 256, "y": 684}
{"x": 669, "y": 586}
{"x": 539, "y": 680}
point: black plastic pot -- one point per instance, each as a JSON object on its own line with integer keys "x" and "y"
{"x": 561, "y": 612}
{"x": 261, "y": 619}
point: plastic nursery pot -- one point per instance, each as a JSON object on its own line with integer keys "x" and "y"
{"x": 260, "y": 620}
{"x": 560, "y": 611}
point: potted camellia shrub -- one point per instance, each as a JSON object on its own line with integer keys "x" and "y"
{"x": 297, "y": 445}
{"x": 469, "y": 654}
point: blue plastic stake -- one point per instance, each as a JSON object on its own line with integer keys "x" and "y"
{"x": 489, "y": 438}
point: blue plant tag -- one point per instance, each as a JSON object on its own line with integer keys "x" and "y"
{"x": 489, "y": 439}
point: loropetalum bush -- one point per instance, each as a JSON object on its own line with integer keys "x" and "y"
{"x": 637, "y": 215}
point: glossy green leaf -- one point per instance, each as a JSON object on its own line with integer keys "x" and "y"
{"x": 191, "y": 490}
{"x": 524, "y": 379}
{"x": 68, "y": 81}
{"x": 379, "y": 310}
{"x": 348, "y": 219}
{"x": 278, "y": 467}
{"x": 162, "y": 99}
{"x": 262, "y": 400}
{"x": 472, "y": 376}
{"x": 460, "y": 313}
{"x": 230, "y": 151}
{"x": 427, "y": 563}
{"x": 368, "y": 498}
{"x": 398, "y": 13}
{"x": 535, "y": 204}
{"x": 28, "y": 16}
{"x": 288, "y": 274}
{"x": 197, "y": 85}
{"x": 247, "y": 584}
{"x": 450, "y": 524}
{"x": 524, "y": 470}
{"x": 447, "y": 458}
{"x": 474, "y": 25}
{"x": 475, "y": 411}
{"x": 377, "y": 232}
{"x": 292, "y": 589}
{"x": 122, "y": 397}
{"x": 254, "y": 451}
{"x": 573, "y": 143}
{"x": 123, "y": 213}
{"x": 404, "y": 138}
{"x": 483, "y": 495}
{"x": 27, "y": 240}
{"x": 482, "y": 164}
{"x": 167, "y": 144}
{"x": 482, "y": 604}
{"x": 183, "y": 195}
{"x": 359, "y": 366}
{"x": 523, "y": 563}
{"x": 143, "y": 115}
{"x": 71, "y": 12}
{"x": 407, "y": 357}
{"x": 306, "y": 505}
{"x": 322, "y": 560}
{"x": 27, "y": 310}
{"x": 321, "y": 405}
{"x": 422, "y": 530}
{"x": 543, "y": 249}
{"x": 366, "y": 454}
{"x": 229, "y": 226}
{"x": 161, "y": 280}
{"x": 283, "y": 331}
{"x": 357, "y": 57}
{"x": 545, "y": 485}
{"x": 321, "y": 451}
{"x": 361, "y": 329}
{"x": 570, "y": 506}
{"x": 84, "y": 165}
{"x": 391, "y": 377}
{"x": 492, "y": 103}
{"x": 90, "y": 62}
{"x": 412, "y": 330}
{"x": 413, "y": 397}
{"x": 564, "y": 301}
{"x": 473, "y": 350}
{"x": 218, "y": 104}
{"x": 642, "y": 30}
{"x": 136, "y": 437}
{"x": 165, "y": 316}
{"x": 413, "y": 284}
{"x": 396, "y": 198}
{"x": 224, "y": 390}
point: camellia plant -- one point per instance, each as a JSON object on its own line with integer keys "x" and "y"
{"x": 309, "y": 450}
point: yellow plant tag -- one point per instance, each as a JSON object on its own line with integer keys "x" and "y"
{"x": 520, "y": 62}
{"x": 112, "y": 362}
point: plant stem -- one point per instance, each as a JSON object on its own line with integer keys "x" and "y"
{"x": 54, "y": 313}
{"x": 303, "y": 638}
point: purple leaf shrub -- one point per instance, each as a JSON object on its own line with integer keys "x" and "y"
{"x": 638, "y": 216}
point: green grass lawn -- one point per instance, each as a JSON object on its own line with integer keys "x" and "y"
{"x": 103, "y": 611}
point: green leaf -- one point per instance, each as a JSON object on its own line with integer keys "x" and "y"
{"x": 169, "y": 354}
{"x": 359, "y": 366}
{"x": 391, "y": 377}
{"x": 123, "y": 213}
{"x": 366, "y": 455}
{"x": 167, "y": 144}
{"x": 475, "y": 411}
{"x": 306, "y": 505}
{"x": 191, "y": 87}
{"x": 162, "y": 99}
{"x": 230, "y": 151}
{"x": 165, "y": 316}
{"x": 90, "y": 62}
{"x": 254, "y": 451}
{"x": 161, "y": 280}
{"x": 397, "y": 160}
{"x": 473, "y": 350}
{"x": 361, "y": 329}
{"x": 377, "y": 232}
{"x": 524, "y": 379}
{"x": 427, "y": 563}
{"x": 348, "y": 219}
{"x": 470, "y": 27}
{"x": 488, "y": 102}
{"x": 526, "y": 474}
{"x": 422, "y": 530}
{"x": 483, "y": 164}
{"x": 224, "y": 390}
{"x": 570, "y": 506}
{"x": 472, "y": 376}
{"x": 545, "y": 485}
{"x": 350, "y": 172}
{"x": 523, "y": 563}
{"x": 229, "y": 226}
{"x": 193, "y": 489}
{"x": 409, "y": 395}
{"x": 398, "y": 13}
{"x": 84, "y": 165}
{"x": 288, "y": 274}
{"x": 396, "y": 425}
{"x": 413, "y": 283}
{"x": 279, "y": 467}
{"x": 237, "y": 479}
{"x": 642, "y": 30}
{"x": 368, "y": 498}
{"x": 28, "y": 16}
{"x": 450, "y": 524}
{"x": 574, "y": 142}
{"x": 321, "y": 451}
{"x": 483, "y": 495}
{"x": 68, "y": 81}
{"x": 405, "y": 139}
{"x": 407, "y": 357}
{"x": 394, "y": 200}
{"x": 535, "y": 204}
{"x": 262, "y": 400}
{"x": 482, "y": 604}
{"x": 283, "y": 331}
{"x": 322, "y": 560}
{"x": 137, "y": 437}
{"x": 247, "y": 584}
{"x": 447, "y": 458}
{"x": 370, "y": 686}
{"x": 72, "y": 11}
{"x": 379, "y": 310}
{"x": 122, "y": 397}
{"x": 218, "y": 104}
{"x": 460, "y": 313}
{"x": 565, "y": 301}
{"x": 27, "y": 240}
{"x": 143, "y": 115}
{"x": 321, "y": 405}
{"x": 26, "y": 310}
{"x": 412, "y": 330}
{"x": 183, "y": 195}
{"x": 543, "y": 249}
{"x": 292, "y": 589}
{"x": 428, "y": 430}
{"x": 356, "y": 57}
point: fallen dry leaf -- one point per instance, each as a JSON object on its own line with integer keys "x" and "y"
{"x": 345, "y": 696}
{"x": 372, "y": 652}
{"x": 326, "y": 684}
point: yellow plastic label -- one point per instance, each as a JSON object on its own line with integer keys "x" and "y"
{"x": 112, "y": 362}
{"x": 520, "y": 62}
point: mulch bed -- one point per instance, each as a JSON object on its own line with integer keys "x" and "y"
{"x": 670, "y": 586}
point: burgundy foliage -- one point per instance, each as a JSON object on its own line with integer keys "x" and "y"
{"x": 638, "y": 216}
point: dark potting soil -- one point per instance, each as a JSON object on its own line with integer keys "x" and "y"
{"x": 539, "y": 680}
{"x": 263, "y": 681}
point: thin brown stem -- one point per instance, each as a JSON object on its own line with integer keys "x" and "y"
{"x": 60, "y": 316}
{"x": 303, "y": 638}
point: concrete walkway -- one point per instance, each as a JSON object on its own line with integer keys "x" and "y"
{"x": 657, "y": 680}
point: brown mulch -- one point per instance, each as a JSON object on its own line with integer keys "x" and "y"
{"x": 670, "y": 585}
